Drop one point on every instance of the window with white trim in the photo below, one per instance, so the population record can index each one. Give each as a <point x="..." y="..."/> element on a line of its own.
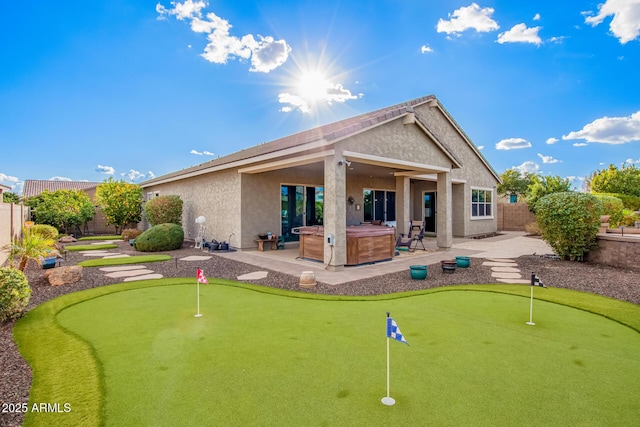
<point x="481" y="203"/>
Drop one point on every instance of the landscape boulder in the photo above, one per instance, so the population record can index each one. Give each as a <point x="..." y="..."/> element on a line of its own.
<point x="67" y="239"/>
<point x="64" y="275"/>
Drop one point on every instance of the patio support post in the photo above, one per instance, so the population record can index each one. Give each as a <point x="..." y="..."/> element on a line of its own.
<point x="403" y="201"/>
<point x="335" y="212"/>
<point x="445" y="211"/>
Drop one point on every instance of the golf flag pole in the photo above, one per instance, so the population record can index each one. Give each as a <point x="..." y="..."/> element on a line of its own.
<point x="393" y="331"/>
<point x="200" y="278"/>
<point x="535" y="281"/>
<point x="388" y="400"/>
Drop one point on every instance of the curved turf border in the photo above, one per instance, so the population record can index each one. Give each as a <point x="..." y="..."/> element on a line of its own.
<point x="38" y="334"/>
<point x="138" y="259"/>
<point x="90" y="247"/>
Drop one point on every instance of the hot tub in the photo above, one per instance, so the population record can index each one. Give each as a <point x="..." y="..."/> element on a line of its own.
<point x="365" y="243"/>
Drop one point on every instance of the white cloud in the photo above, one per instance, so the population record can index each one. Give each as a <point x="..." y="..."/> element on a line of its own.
<point x="512" y="144"/>
<point x="609" y="130"/>
<point x="470" y="17"/>
<point x="625" y="24"/>
<point x="551" y="141"/>
<point x="480" y="147"/>
<point x="580" y="144"/>
<point x="548" y="159"/>
<point x="328" y="93"/>
<point x="132" y="175"/>
<point x="8" y="178"/>
<point x="264" y="52"/>
<point x="425" y="49"/>
<point x="199" y="153"/>
<point x="528" y="166"/>
<point x="519" y="33"/>
<point x="107" y="170"/>
<point x="151" y="175"/>
<point x="536" y="17"/>
<point x="59" y="178"/>
<point x="557" y="39"/>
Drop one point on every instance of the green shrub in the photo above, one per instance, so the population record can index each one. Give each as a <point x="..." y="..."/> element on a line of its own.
<point x="14" y="293"/>
<point x="629" y="202"/>
<point x="569" y="222"/>
<point x="130" y="233"/>
<point x="46" y="231"/>
<point x="613" y="207"/>
<point x="162" y="237"/>
<point x="164" y="209"/>
<point x="629" y="218"/>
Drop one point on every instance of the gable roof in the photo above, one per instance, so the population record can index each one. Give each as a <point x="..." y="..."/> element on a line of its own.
<point x="33" y="187"/>
<point x="328" y="133"/>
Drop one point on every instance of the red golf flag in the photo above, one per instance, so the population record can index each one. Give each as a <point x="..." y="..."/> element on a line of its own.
<point x="201" y="278"/>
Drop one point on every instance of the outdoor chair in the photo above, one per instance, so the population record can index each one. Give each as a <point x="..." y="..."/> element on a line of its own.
<point x="411" y="239"/>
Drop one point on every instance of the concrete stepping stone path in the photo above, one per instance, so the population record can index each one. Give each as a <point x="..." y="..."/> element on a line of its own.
<point x="253" y="276"/>
<point x="505" y="270"/>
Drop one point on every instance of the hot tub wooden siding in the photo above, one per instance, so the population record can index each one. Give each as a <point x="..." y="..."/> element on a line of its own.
<point x="360" y="249"/>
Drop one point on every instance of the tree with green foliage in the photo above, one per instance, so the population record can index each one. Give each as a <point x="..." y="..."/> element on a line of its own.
<point x="543" y="185"/>
<point x="163" y="210"/>
<point x="120" y="202"/>
<point x="625" y="180"/>
<point x="14" y="293"/>
<point x="515" y="182"/>
<point x="64" y="209"/>
<point x="569" y="222"/>
<point x="10" y="197"/>
<point x="613" y="207"/>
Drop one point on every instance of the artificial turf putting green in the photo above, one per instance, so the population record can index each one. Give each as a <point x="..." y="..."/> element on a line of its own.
<point x="114" y="237"/>
<point x="262" y="358"/>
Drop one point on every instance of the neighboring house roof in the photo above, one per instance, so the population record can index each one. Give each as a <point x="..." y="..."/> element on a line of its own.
<point x="4" y="188"/>
<point x="33" y="187"/>
<point x="328" y="133"/>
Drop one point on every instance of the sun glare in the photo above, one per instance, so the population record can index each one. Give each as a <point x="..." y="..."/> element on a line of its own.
<point x="313" y="86"/>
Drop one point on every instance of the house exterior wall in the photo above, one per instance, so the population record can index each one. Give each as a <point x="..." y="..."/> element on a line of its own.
<point x="216" y="196"/>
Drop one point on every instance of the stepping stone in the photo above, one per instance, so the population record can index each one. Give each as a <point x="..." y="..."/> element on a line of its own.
<point x="195" y="258"/>
<point x="129" y="273"/>
<point x="501" y="259"/>
<point x="122" y="268"/>
<point x="515" y="281"/>
<point x="506" y="275"/>
<point x="499" y="264"/>
<point x="253" y="276"/>
<point x="96" y="253"/>
<point x="145" y="277"/>
<point x="506" y="269"/>
<point x="116" y="256"/>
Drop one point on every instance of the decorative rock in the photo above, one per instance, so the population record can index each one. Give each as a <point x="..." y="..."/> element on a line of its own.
<point x="307" y="279"/>
<point x="64" y="275"/>
<point x="67" y="239"/>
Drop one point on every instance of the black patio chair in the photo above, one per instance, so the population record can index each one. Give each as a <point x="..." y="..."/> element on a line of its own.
<point x="415" y="235"/>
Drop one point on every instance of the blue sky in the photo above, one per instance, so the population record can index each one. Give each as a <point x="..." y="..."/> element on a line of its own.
<point x="133" y="89"/>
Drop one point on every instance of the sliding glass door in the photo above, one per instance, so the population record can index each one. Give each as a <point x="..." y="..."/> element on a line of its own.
<point x="379" y="205"/>
<point x="300" y="206"/>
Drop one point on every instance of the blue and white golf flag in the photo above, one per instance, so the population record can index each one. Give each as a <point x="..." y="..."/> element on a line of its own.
<point x="394" y="332"/>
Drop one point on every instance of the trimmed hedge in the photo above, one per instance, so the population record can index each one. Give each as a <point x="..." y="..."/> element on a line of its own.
<point x="162" y="237"/>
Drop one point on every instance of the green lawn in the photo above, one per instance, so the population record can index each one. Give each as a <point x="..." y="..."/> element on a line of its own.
<point x="103" y="246"/>
<point x="134" y="354"/>
<point x="137" y="259"/>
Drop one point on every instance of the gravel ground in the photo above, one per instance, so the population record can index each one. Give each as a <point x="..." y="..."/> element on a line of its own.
<point x="15" y="374"/>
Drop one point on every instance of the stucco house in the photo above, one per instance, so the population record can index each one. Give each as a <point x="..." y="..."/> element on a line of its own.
<point x="405" y="162"/>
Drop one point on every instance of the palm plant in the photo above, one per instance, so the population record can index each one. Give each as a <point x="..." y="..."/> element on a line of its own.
<point x="32" y="245"/>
